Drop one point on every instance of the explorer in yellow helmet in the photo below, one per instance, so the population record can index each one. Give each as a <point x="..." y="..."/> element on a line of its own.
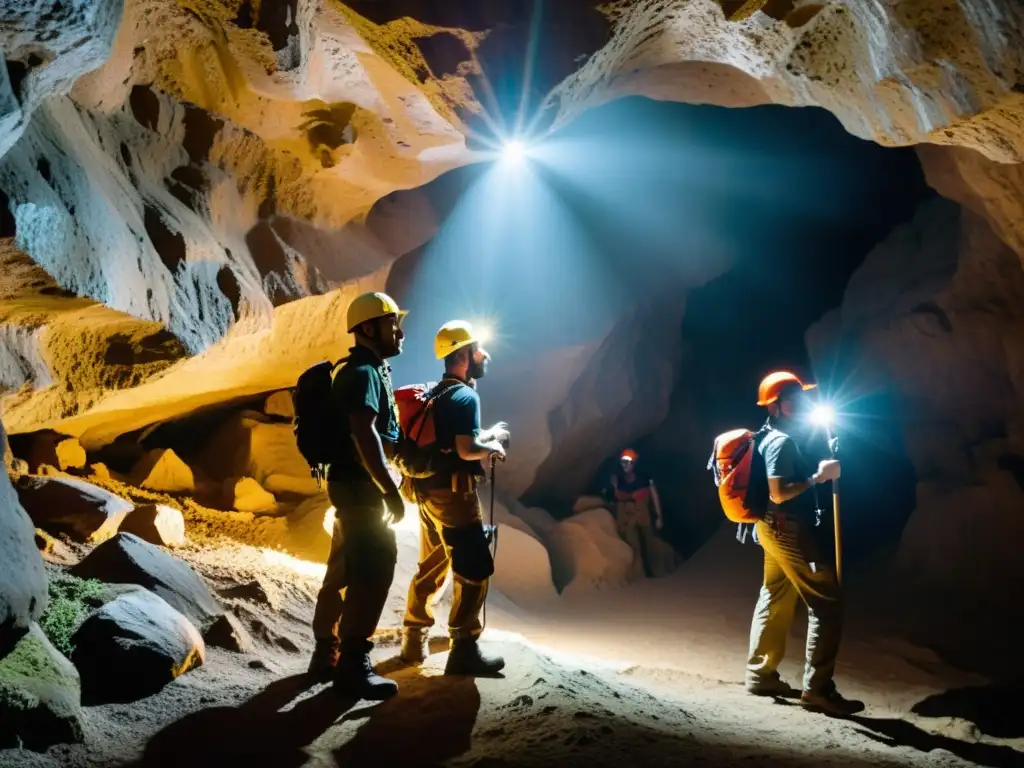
<point x="452" y="533"/>
<point x="363" y="555"/>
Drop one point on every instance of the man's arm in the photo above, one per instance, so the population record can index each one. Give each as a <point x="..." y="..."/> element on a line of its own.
<point x="781" y="459"/>
<point x="659" y="518"/>
<point x="371" y="449"/>
<point x="472" y="448"/>
<point x="471" y="443"/>
<point x="359" y="395"/>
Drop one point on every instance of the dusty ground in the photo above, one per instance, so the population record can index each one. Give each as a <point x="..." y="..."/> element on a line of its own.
<point x="647" y="675"/>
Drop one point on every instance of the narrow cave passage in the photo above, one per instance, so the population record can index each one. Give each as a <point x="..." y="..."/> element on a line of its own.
<point x="748" y="222"/>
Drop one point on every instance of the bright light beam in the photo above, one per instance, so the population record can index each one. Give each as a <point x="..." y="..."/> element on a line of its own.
<point x="823" y="415"/>
<point x="513" y="152"/>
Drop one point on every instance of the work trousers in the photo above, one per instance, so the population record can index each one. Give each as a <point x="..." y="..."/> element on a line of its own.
<point x="794" y="568"/>
<point x="360" y="568"/>
<point x="633" y="522"/>
<point x="442" y="509"/>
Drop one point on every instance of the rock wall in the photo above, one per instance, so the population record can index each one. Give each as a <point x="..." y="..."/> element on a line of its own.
<point x="934" y="316"/>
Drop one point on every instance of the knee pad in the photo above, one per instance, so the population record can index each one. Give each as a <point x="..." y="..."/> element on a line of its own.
<point x="471" y="555"/>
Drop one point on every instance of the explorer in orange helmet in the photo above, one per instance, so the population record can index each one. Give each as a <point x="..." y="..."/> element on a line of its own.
<point x="635" y="497"/>
<point x="795" y="567"/>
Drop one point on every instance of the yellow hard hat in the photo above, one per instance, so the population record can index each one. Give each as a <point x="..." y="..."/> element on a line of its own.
<point x="452" y="337"/>
<point x="370" y="306"/>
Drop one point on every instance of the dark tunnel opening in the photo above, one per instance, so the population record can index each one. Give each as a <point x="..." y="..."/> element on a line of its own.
<point x="794" y="216"/>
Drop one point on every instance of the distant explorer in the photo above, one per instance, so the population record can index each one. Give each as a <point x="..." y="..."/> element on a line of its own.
<point x="636" y="502"/>
<point x="452" y="533"/>
<point x="795" y="567"/>
<point x="361" y="563"/>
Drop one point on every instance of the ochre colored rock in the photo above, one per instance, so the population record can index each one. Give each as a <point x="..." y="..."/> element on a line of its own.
<point x="162" y="470"/>
<point x="157" y="524"/>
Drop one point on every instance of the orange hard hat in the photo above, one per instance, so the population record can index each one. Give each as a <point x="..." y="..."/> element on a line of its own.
<point x="774" y="383"/>
<point x="630" y="454"/>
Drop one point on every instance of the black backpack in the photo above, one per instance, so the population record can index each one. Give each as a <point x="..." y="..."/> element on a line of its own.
<point x="316" y="424"/>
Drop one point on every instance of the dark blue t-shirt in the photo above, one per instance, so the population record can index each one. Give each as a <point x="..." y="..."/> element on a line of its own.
<point x="457" y="412"/>
<point x="363" y="382"/>
<point x="784" y="459"/>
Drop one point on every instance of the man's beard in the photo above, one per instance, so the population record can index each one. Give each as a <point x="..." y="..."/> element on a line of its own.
<point x="477" y="370"/>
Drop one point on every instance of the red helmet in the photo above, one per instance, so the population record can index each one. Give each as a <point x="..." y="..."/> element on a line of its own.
<point x="774" y="383"/>
<point x="630" y="454"/>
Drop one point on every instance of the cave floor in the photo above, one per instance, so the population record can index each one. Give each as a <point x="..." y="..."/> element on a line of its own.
<point x="646" y="675"/>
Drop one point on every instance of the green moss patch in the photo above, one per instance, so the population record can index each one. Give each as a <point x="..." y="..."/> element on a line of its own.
<point x="71" y="599"/>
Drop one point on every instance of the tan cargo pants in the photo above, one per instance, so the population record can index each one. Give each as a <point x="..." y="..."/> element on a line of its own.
<point x="360" y="568"/>
<point x="633" y="522"/>
<point x="794" y="568"/>
<point x="439" y="509"/>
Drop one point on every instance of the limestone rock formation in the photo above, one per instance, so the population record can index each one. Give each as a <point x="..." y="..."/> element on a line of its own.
<point x="40" y="694"/>
<point x="22" y="579"/>
<point x="127" y="559"/>
<point x="132" y="647"/>
<point x="934" y="315"/>
<point x="71" y="506"/>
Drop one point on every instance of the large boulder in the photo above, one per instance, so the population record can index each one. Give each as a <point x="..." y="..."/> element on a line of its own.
<point x="40" y="694"/>
<point x="132" y="647"/>
<point x="22" y="578"/>
<point x="67" y="505"/>
<point x="157" y="524"/>
<point x="247" y="495"/>
<point x="127" y="559"/>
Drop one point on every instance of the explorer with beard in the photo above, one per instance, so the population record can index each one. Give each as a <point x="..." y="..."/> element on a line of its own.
<point x="452" y="533"/>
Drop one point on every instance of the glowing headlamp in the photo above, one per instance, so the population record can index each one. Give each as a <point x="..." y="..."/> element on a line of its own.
<point x="823" y="415"/>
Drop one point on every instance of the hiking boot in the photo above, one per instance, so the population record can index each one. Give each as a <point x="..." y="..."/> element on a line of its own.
<point x="323" y="661"/>
<point x="771" y="686"/>
<point x="466" y="658"/>
<point x="354" y="676"/>
<point x="830" y="702"/>
<point x="414" y="645"/>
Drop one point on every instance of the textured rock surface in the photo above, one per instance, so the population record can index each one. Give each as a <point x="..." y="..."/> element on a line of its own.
<point x="40" y="694"/>
<point x="201" y="176"/>
<point x="72" y="506"/>
<point x="935" y="315"/>
<point x="22" y="579"/>
<point x="127" y="559"/>
<point x="132" y="647"/>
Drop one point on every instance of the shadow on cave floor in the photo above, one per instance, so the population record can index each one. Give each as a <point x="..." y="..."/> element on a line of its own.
<point x="257" y="731"/>
<point x="278" y="725"/>
<point x="900" y="733"/>
<point x="994" y="709"/>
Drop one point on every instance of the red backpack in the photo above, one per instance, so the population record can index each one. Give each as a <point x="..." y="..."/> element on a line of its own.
<point x="417" y="452"/>
<point x="740" y="475"/>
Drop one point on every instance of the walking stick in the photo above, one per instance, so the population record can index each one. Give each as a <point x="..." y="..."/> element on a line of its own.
<point x="833" y="445"/>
